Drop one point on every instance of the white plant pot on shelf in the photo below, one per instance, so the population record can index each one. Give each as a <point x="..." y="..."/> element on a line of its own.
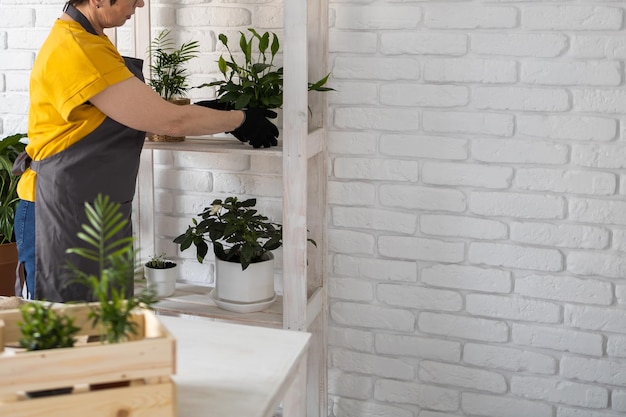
<point x="161" y="281"/>
<point x="244" y="291"/>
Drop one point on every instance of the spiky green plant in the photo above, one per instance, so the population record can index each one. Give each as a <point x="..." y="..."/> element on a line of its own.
<point x="10" y="147"/>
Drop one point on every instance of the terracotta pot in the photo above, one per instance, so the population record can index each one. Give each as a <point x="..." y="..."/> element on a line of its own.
<point x="8" y="268"/>
<point x="153" y="137"/>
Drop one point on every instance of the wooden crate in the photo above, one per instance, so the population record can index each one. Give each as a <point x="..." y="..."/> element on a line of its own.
<point x="145" y="364"/>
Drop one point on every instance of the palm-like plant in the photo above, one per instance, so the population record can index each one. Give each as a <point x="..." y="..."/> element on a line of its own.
<point x="169" y="76"/>
<point x="10" y="148"/>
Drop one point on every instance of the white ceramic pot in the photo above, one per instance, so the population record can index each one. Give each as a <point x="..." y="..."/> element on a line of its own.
<point x="254" y="285"/>
<point x="161" y="281"/>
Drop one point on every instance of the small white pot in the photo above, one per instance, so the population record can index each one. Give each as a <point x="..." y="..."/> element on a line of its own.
<point x="161" y="281"/>
<point x="253" y="285"/>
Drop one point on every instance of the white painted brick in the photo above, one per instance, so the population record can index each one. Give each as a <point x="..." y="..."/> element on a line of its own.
<point x="513" y="256"/>
<point x="350" y="385"/>
<point x="596" y="318"/>
<point x="599" y="101"/>
<point x="268" y="17"/>
<point x="603" y="371"/>
<point x="560" y="235"/>
<point x="375" y="68"/>
<point x="426" y="413"/>
<point x="541" y="45"/>
<point x="616" y="346"/>
<point x="355" y="217"/>
<point x="557" y="338"/>
<point x="375" y="169"/>
<point x="218" y="162"/>
<point x="420" y="347"/>
<point x="599" y="264"/>
<point x="468" y="123"/>
<point x="558" y="391"/>
<point x="564" y="288"/>
<point x="618" y="400"/>
<point x="520" y="98"/>
<point x="353" y="193"/>
<point x="468" y="17"/>
<point x="426" y="198"/>
<point x="266" y="164"/>
<point x="27" y="38"/>
<point x="366" y="17"/>
<point x="422" y="395"/>
<point x="569" y="181"/>
<point x="567" y="127"/>
<point x="511" y="307"/>
<point x="350" y="289"/>
<point x="528" y="206"/>
<point x="364" y="315"/>
<point x="435" y="147"/>
<point x="424" y="95"/>
<point x="467" y="277"/>
<point x="463" y="327"/>
<point x="516" y="360"/>
<point x="420" y="298"/>
<point x="598" y="46"/>
<point x="421" y="249"/>
<point x="620" y="293"/>
<point x="476" y="175"/>
<point x="346" y="407"/>
<point x="213" y="16"/>
<point x="353" y="339"/>
<point x="361" y="143"/>
<point x="231" y="183"/>
<point x="499" y="406"/>
<point x="470" y="70"/>
<point x="16" y="61"/>
<point x="571" y="73"/>
<point x="183" y="179"/>
<point x="364" y="363"/>
<point x="350" y="92"/>
<point x="518" y="151"/>
<point x="584" y="412"/>
<point x="431" y="43"/>
<point x="598" y="211"/>
<point x="350" y="242"/>
<point x="18" y="17"/>
<point x="372" y="268"/>
<point x="376" y="118"/>
<point x="461" y="376"/>
<point x="572" y="18"/>
<point x="599" y="156"/>
<point x="352" y="42"/>
<point x="471" y="227"/>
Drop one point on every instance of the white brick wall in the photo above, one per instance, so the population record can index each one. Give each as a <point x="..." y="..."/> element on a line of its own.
<point x="477" y="230"/>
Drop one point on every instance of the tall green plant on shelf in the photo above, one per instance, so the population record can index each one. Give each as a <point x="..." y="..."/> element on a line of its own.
<point x="10" y="148"/>
<point x="255" y="82"/>
<point x="116" y="265"/>
<point x="168" y="73"/>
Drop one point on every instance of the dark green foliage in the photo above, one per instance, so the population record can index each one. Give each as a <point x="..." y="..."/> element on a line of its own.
<point x="255" y="83"/>
<point x="10" y="147"/>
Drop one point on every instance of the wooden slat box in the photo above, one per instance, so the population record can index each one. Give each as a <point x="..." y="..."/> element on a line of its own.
<point x="145" y="364"/>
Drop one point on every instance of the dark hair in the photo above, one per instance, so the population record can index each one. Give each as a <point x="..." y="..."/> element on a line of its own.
<point x="78" y="2"/>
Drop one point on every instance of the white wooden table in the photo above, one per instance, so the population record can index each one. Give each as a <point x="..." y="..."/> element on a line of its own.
<point x="234" y="370"/>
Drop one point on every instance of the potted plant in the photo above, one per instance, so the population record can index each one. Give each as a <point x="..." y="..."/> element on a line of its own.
<point x="161" y="275"/>
<point x="10" y="148"/>
<point x="242" y="242"/>
<point x="255" y="82"/>
<point x="168" y="72"/>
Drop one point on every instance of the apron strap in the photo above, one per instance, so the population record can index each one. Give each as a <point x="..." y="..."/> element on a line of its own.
<point x="75" y="14"/>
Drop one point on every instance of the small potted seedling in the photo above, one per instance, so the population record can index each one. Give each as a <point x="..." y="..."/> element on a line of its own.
<point x="161" y="275"/>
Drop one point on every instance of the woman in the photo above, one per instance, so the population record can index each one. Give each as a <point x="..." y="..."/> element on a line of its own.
<point x="89" y="111"/>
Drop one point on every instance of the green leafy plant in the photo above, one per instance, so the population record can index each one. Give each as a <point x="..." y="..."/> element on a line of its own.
<point x="10" y="147"/>
<point x="159" y="262"/>
<point x="43" y="327"/>
<point x="236" y="230"/>
<point x="115" y="258"/>
<point x="256" y="82"/>
<point x="168" y="74"/>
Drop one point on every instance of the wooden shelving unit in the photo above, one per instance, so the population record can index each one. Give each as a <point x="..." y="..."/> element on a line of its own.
<point x="303" y="305"/>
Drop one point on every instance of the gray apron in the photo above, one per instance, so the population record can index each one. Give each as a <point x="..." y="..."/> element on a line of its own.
<point x="104" y="162"/>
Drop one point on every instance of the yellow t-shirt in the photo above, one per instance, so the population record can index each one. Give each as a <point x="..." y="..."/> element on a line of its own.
<point x="72" y="66"/>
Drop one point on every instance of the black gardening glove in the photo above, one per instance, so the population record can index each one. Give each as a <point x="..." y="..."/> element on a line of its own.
<point x="257" y="129"/>
<point x="214" y="104"/>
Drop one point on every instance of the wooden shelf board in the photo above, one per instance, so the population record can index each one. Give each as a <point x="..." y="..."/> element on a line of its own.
<point x="213" y="144"/>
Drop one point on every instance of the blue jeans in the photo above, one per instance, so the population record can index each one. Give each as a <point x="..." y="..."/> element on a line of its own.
<point x="24" y="228"/>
